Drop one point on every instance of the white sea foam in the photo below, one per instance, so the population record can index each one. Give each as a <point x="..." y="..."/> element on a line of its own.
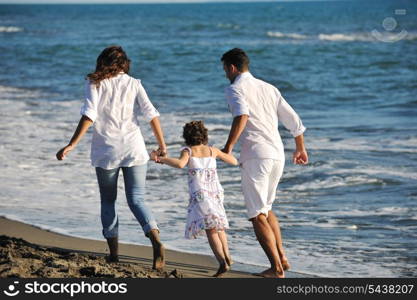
<point x="334" y="182"/>
<point x="404" y="172"/>
<point x="352" y="227"/>
<point x="347" y="37"/>
<point x="305" y="260"/>
<point x="363" y="144"/>
<point x="10" y="29"/>
<point x="277" y="34"/>
<point x="383" y="211"/>
<point x="367" y="37"/>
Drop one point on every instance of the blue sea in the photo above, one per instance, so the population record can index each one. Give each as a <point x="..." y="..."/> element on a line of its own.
<point x="349" y="68"/>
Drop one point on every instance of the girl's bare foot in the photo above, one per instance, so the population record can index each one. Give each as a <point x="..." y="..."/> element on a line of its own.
<point x="271" y="273"/>
<point x="229" y="261"/>
<point x="222" y="269"/>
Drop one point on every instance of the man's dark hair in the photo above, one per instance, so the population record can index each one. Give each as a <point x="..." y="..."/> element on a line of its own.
<point x="195" y="133"/>
<point x="236" y="57"/>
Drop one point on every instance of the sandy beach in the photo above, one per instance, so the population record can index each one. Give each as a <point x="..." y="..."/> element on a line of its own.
<point x="28" y="251"/>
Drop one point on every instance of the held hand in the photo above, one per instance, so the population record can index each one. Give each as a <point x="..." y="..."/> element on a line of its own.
<point x="300" y="157"/>
<point x="162" y="151"/>
<point x="227" y="150"/>
<point x="154" y="155"/>
<point x="64" y="151"/>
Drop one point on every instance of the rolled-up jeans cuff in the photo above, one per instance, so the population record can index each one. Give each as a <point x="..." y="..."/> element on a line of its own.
<point x="110" y="233"/>
<point x="148" y="227"/>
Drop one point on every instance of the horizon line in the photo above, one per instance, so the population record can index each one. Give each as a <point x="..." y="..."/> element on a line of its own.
<point x="79" y="2"/>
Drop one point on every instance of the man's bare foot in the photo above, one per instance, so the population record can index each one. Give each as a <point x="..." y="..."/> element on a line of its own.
<point x="229" y="261"/>
<point x="158" y="257"/>
<point x="285" y="264"/>
<point x="271" y="273"/>
<point x="222" y="269"/>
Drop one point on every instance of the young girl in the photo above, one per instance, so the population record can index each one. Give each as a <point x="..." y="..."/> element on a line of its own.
<point x="205" y="209"/>
<point x="112" y="103"/>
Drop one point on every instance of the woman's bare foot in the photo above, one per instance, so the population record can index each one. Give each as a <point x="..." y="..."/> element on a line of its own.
<point x="158" y="257"/>
<point x="285" y="264"/>
<point x="112" y="259"/>
<point x="158" y="250"/>
<point x="113" y="243"/>
<point x="271" y="273"/>
<point x="222" y="269"/>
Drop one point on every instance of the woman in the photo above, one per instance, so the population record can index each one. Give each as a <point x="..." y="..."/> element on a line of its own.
<point x="113" y="101"/>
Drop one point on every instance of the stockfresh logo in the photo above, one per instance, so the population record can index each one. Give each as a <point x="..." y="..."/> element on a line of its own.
<point x="11" y="290"/>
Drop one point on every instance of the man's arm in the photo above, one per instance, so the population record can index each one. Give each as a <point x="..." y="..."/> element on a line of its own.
<point x="300" y="156"/>
<point x="238" y="125"/>
<point x="292" y="122"/>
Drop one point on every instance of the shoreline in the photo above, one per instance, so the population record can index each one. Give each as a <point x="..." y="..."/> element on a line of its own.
<point x="190" y="265"/>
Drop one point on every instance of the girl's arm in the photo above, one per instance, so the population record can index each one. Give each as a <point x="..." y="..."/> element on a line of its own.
<point x="180" y="162"/>
<point x="82" y="128"/>
<point x="159" y="135"/>
<point x="227" y="158"/>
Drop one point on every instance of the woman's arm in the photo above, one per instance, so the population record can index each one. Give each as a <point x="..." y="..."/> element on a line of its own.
<point x="82" y="128"/>
<point x="227" y="158"/>
<point x="180" y="162"/>
<point x="159" y="135"/>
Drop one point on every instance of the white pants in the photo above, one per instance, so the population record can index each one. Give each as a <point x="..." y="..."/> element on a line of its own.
<point x="260" y="178"/>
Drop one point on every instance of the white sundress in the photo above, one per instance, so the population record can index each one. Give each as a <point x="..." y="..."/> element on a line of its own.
<point x="205" y="208"/>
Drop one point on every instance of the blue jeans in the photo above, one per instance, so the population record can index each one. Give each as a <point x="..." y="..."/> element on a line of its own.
<point x="135" y="181"/>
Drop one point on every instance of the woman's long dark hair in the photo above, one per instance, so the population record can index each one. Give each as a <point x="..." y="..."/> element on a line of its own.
<point x="110" y="62"/>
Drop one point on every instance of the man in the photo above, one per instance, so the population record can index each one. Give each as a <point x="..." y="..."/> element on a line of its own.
<point x="256" y="107"/>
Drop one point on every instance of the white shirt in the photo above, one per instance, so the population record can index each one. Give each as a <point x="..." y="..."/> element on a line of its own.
<point x="114" y="107"/>
<point x="264" y="105"/>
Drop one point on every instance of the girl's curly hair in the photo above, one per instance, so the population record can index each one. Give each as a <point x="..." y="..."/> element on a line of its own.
<point x="195" y="133"/>
<point x="110" y="62"/>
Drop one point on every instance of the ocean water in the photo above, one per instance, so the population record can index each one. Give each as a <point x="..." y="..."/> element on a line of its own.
<point x="350" y="212"/>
